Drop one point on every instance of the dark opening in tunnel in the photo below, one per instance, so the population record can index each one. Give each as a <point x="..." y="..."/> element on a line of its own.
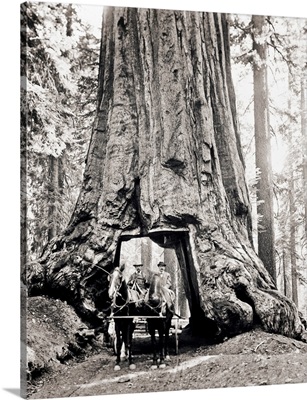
<point x="175" y="251"/>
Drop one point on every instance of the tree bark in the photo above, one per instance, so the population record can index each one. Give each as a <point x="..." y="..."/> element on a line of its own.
<point x="304" y="139"/>
<point x="266" y="247"/>
<point x="52" y="185"/>
<point x="285" y="278"/>
<point x="164" y="161"/>
<point x="292" y="205"/>
<point x="55" y="190"/>
<point x="146" y="252"/>
<point x="293" y="238"/>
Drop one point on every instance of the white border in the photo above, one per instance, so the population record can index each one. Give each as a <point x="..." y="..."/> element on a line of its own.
<point x="10" y="190"/>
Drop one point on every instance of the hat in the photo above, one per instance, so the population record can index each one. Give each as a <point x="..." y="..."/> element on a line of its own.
<point x="161" y="264"/>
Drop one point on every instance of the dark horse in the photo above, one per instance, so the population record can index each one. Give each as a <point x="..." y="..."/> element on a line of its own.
<point x="121" y="307"/>
<point x="157" y="307"/>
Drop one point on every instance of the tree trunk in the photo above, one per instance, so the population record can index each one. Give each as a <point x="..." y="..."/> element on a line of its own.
<point x="293" y="239"/>
<point x="53" y="177"/>
<point x="266" y="247"/>
<point x="23" y="202"/>
<point x="164" y="161"/>
<point x="292" y="206"/>
<point x="146" y="253"/>
<point x="285" y="278"/>
<point x="55" y="193"/>
<point x="304" y="139"/>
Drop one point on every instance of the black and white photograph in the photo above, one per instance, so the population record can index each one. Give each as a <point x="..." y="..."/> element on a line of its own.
<point x="163" y="200"/>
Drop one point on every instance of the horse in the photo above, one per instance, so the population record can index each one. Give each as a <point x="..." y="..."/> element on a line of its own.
<point x="158" y="307"/>
<point x="121" y="306"/>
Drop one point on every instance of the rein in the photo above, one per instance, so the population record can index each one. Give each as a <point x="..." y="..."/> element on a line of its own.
<point x="154" y="308"/>
<point x="104" y="270"/>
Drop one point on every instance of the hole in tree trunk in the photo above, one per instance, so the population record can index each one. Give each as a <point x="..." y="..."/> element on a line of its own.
<point x="145" y="251"/>
<point x="174" y="249"/>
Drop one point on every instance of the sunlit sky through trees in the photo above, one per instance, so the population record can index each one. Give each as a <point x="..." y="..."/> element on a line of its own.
<point x="92" y="14"/>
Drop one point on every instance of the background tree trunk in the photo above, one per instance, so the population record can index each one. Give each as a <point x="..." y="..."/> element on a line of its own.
<point x="292" y="202"/>
<point x="285" y="264"/>
<point x="293" y="240"/>
<point x="304" y="139"/>
<point x="164" y="161"/>
<point x="55" y="192"/>
<point x="52" y="196"/>
<point x="266" y="247"/>
<point x="146" y="252"/>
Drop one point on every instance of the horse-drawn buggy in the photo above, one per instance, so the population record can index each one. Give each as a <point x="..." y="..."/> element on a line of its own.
<point x="152" y="306"/>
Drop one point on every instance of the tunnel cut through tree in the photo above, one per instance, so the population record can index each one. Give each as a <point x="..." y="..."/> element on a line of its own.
<point x="147" y="253"/>
<point x="165" y="161"/>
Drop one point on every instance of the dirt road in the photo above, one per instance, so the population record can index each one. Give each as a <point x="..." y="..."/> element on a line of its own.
<point x="251" y="359"/>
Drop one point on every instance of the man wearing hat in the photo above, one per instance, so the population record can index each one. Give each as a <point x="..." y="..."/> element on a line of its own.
<point x="165" y="276"/>
<point x="138" y="280"/>
<point x="166" y="284"/>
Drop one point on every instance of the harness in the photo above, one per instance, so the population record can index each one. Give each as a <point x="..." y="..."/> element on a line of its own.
<point x="116" y="295"/>
<point x="137" y="296"/>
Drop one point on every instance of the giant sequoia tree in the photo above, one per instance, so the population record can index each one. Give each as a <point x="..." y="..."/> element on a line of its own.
<point x="165" y="161"/>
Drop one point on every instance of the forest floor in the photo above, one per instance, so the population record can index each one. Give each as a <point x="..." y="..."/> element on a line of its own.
<point x="254" y="358"/>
